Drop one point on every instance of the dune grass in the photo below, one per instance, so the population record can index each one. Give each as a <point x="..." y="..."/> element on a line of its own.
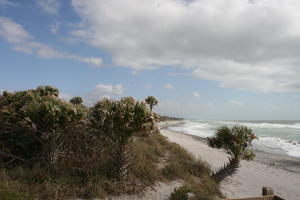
<point x="178" y="164"/>
<point x="153" y="159"/>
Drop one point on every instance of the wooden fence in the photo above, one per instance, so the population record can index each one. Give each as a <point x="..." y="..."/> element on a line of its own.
<point x="267" y="194"/>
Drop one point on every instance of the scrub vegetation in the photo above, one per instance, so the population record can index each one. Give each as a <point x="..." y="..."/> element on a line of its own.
<point x="53" y="149"/>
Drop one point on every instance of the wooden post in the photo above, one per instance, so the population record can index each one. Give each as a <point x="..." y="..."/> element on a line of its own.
<point x="267" y="191"/>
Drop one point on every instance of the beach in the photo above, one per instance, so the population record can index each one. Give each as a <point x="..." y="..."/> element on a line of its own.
<point x="280" y="172"/>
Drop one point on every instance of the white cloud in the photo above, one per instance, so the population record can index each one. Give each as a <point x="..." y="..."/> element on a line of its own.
<point x="65" y="96"/>
<point x="236" y="103"/>
<point x="169" y="86"/>
<point x="49" y="6"/>
<point x="22" y="41"/>
<point x="103" y="91"/>
<point x="110" y="89"/>
<point x="196" y="94"/>
<point x="90" y="60"/>
<point x="252" y="46"/>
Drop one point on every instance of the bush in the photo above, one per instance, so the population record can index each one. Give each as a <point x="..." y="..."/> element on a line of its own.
<point x="180" y="193"/>
<point x="33" y="125"/>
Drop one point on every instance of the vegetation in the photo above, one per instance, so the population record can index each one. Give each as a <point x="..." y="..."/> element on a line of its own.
<point x="76" y="101"/>
<point x="151" y="101"/>
<point x="168" y="118"/>
<point x="236" y="141"/>
<point x="34" y="126"/>
<point x="180" y="193"/>
<point x="52" y="149"/>
<point x="118" y="123"/>
<point x="11" y="195"/>
<point x="161" y="160"/>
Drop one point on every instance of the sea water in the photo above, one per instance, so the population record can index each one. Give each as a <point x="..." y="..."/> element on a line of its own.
<point x="278" y="137"/>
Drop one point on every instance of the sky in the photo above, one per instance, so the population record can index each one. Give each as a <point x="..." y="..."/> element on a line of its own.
<point x="202" y="59"/>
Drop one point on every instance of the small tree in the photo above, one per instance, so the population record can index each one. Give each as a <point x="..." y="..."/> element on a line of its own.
<point x="117" y="123"/>
<point x="236" y="141"/>
<point x="151" y="101"/>
<point x="76" y="101"/>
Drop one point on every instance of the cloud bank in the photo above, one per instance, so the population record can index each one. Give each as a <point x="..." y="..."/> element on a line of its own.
<point x="24" y="42"/>
<point x="249" y="45"/>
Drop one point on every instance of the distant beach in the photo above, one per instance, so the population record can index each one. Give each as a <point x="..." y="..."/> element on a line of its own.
<point x="276" y="170"/>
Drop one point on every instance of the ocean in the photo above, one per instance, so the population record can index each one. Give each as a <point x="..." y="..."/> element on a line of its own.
<point x="277" y="137"/>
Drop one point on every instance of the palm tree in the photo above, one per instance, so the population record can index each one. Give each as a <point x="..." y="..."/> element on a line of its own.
<point x="236" y="141"/>
<point x="47" y="90"/>
<point x="117" y="123"/>
<point x="151" y="101"/>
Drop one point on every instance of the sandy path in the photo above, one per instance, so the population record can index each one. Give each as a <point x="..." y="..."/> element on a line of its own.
<point x="279" y="172"/>
<point x="161" y="191"/>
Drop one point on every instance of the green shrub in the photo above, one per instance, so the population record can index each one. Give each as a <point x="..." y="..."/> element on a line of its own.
<point x="180" y="193"/>
<point x="33" y="123"/>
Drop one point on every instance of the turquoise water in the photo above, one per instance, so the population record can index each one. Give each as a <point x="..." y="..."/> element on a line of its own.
<point x="279" y="137"/>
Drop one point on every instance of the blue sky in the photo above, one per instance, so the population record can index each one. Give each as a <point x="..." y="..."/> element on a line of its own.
<point x="202" y="59"/>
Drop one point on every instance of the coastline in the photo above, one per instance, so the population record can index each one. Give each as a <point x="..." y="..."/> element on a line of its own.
<point x="280" y="172"/>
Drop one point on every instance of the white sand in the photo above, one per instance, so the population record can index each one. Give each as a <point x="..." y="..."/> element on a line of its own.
<point x="281" y="173"/>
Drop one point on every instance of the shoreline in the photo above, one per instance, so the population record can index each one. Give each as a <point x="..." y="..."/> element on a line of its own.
<point x="280" y="172"/>
<point x="290" y="159"/>
<point x="286" y="162"/>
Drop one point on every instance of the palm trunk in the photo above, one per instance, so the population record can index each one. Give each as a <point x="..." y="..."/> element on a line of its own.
<point x="121" y="160"/>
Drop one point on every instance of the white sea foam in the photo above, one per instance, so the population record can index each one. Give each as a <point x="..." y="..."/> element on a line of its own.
<point x="262" y="125"/>
<point x="268" y="140"/>
<point x="194" y="128"/>
<point x="273" y="144"/>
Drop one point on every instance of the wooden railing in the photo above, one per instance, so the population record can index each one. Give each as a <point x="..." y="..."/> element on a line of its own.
<point x="267" y="194"/>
